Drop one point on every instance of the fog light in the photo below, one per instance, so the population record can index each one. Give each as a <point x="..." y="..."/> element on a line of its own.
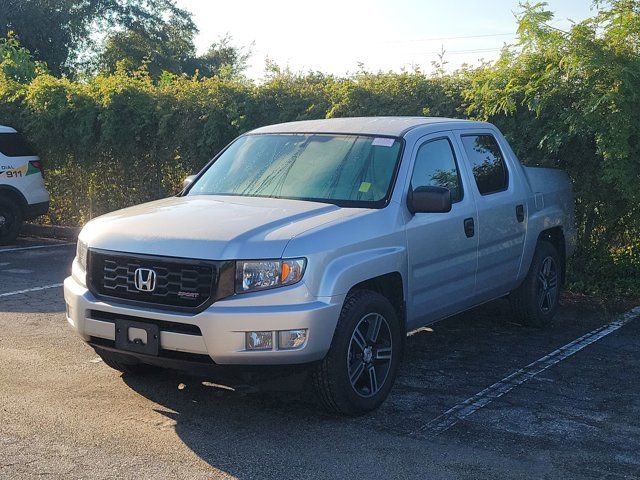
<point x="290" y="339"/>
<point x="259" y="340"/>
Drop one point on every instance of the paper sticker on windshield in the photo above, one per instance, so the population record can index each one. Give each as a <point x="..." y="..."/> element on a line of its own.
<point x="364" y="187"/>
<point x="383" y="142"/>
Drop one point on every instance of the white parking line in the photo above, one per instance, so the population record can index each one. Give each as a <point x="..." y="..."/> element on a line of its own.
<point x="27" y="290"/>
<point x="35" y="247"/>
<point x="461" y="411"/>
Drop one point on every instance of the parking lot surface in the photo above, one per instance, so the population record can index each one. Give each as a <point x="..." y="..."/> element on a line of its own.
<point x="456" y="410"/>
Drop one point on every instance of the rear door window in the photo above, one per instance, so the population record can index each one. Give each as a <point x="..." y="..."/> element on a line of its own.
<point x="487" y="163"/>
<point x="14" y="145"/>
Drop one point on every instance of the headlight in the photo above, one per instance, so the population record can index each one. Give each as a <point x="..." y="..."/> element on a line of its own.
<point x="263" y="274"/>
<point x="81" y="254"/>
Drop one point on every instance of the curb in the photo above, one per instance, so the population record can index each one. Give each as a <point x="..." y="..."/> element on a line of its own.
<point x="50" y="231"/>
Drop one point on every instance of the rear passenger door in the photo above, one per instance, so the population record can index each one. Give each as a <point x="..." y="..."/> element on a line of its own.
<point x="441" y="254"/>
<point x="500" y="201"/>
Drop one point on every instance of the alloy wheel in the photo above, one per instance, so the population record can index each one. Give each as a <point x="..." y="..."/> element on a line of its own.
<point x="369" y="356"/>
<point x="547" y="285"/>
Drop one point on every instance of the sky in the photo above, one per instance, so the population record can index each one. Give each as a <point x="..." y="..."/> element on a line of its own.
<point x="335" y="36"/>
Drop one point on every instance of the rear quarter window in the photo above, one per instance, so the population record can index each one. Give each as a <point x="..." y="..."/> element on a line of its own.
<point x="14" y="145"/>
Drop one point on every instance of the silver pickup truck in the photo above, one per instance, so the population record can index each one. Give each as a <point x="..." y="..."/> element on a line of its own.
<point x="319" y="245"/>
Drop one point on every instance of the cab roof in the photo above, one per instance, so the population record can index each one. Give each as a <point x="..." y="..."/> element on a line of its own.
<point x="391" y="126"/>
<point x="4" y="129"/>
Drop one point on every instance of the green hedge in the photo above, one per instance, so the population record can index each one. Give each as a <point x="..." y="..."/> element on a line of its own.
<point x="562" y="99"/>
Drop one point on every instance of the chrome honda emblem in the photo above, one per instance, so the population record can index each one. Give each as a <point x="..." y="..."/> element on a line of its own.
<point x="145" y="279"/>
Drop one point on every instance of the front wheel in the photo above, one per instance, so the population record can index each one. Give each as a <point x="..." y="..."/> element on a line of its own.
<point x="535" y="302"/>
<point x="360" y="368"/>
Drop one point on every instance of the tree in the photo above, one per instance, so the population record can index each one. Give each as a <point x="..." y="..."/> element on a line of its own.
<point x="16" y="62"/>
<point x="59" y="32"/>
<point x="167" y="46"/>
<point x="220" y="54"/>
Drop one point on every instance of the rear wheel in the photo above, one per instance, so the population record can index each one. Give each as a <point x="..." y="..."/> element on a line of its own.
<point x="360" y="368"/>
<point x="535" y="302"/>
<point x="133" y="368"/>
<point x="10" y="220"/>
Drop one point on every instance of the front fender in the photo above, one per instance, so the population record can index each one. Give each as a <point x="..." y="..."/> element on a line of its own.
<point x="342" y="273"/>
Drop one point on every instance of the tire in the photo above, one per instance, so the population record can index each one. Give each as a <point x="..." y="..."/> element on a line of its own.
<point x="535" y="302"/>
<point x="114" y="361"/>
<point x="11" y="218"/>
<point x="360" y="368"/>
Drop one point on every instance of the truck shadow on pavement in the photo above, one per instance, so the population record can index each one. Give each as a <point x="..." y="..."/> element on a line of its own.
<point x="286" y="435"/>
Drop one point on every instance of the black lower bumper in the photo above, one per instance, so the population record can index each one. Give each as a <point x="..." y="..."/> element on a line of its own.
<point x="263" y="377"/>
<point x="36" y="209"/>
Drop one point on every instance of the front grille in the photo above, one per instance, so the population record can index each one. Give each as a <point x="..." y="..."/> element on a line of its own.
<point x="182" y="284"/>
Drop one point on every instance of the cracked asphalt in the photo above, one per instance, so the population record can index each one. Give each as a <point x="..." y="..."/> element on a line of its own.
<point x="65" y="414"/>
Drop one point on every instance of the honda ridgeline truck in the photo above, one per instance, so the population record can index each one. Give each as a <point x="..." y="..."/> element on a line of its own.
<point x="321" y="244"/>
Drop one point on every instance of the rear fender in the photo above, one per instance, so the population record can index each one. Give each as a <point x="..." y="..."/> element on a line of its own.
<point x="539" y="221"/>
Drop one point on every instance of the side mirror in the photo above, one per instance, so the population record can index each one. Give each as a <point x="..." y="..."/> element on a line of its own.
<point x="429" y="200"/>
<point x="188" y="181"/>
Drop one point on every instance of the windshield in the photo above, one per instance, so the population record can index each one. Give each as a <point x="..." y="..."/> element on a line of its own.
<point x="348" y="170"/>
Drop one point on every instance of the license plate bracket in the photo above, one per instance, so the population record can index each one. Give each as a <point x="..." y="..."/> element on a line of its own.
<point x="138" y="337"/>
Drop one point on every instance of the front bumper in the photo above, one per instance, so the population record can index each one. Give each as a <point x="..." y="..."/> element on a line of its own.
<point x="222" y="326"/>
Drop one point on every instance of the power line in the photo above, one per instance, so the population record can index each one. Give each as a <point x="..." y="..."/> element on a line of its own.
<point x="456" y="52"/>
<point x="479" y="50"/>
<point x="460" y="37"/>
<point x="433" y="39"/>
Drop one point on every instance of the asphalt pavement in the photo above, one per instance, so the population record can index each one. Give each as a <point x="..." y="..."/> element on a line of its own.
<point x="477" y="397"/>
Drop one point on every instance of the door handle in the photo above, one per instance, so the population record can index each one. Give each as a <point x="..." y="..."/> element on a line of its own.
<point x="520" y="213"/>
<point x="469" y="227"/>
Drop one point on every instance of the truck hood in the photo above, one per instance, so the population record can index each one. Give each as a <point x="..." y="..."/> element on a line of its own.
<point x="210" y="227"/>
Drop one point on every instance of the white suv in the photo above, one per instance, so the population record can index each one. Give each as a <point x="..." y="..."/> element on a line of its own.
<point x="23" y="195"/>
